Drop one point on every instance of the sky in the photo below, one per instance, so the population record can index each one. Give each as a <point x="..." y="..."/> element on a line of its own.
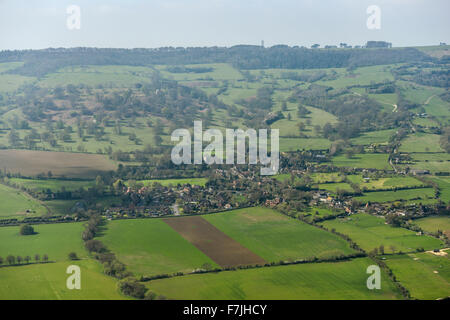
<point x="37" y="24"/>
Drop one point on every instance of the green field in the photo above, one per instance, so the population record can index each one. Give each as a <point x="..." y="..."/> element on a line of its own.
<point x="389" y="196"/>
<point x="290" y="127"/>
<point x="14" y="204"/>
<point x="421" y="142"/>
<point x="385" y="183"/>
<point x="370" y="232"/>
<point x="11" y="82"/>
<point x="334" y="187"/>
<point x="60" y="207"/>
<point x="374" y="137"/>
<point x="47" y="281"/>
<point x="55" y="240"/>
<point x="371" y="160"/>
<point x="340" y="281"/>
<point x="432" y="166"/>
<point x="425" y="275"/>
<point x="318" y="212"/>
<point x="275" y="237"/>
<point x="361" y="76"/>
<point x="294" y="144"/>
<point x="327" y="177"/>
<point x="221" y="71"/>
<point x="444" y="187"/>
<point x="151" y="247"/>
<point x="434" y="223"/>
<point x="51" y="184"/>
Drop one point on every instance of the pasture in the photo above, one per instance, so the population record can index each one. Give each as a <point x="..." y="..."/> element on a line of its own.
<point x="51" y="184"/>
<point x="47" y="281"/>
<point x="275" y="237"/>
<point x="373" y="137"/>
<point x="151" y="247"/>
<point x="367" y="160"/>
<point x="370" y="232"/>
<point x="340" y="281"/>
<point x="421" y="142"/>
<point x="444" y="187"/>
<point x="334" y="187"/>
<point x="11" y="82"/>
<point x="318" y="212"/>
<point x="434" y="224"/>
<point x="56" y="240"/>
<point x="109" y="76"/>
<point x="425" y="275"/>
<point x="385" y="183"/>
<point x="16" y="204"/>
<point x="220" y="71"/>
<point x="360" y="76"/>
<point x="294" y="144"/>
<point x="417" y="195"/>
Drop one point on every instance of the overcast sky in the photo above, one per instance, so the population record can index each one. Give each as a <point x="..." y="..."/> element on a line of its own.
<point x="35" y="24"/>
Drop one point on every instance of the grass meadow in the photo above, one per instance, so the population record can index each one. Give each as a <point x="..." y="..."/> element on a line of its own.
<point x="55" y="240"/>
<point x="275" y="237"/>
<point x="47" y="281"/>
<point x="425" y="275"/>
<point x="15" y="204"/>
<point x="151" y="247"/>
<point x="370" y="232"/>
<point x="340" y="281"/>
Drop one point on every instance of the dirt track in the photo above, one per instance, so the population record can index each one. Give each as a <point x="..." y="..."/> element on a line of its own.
<point x="222" y="249"/>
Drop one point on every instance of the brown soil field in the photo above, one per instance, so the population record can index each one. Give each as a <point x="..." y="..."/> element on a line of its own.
<point x="222" y="249"/>
<point x="71" y="165"/>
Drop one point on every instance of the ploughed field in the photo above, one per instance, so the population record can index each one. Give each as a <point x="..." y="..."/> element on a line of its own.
<point x="32" y="163"/>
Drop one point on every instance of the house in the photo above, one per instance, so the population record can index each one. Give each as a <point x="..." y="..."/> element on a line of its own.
<point x="418" y="172"/>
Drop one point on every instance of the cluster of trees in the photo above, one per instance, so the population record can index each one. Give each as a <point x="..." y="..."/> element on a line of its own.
<point x="309" y="76"/>
<point x="17" y="260"/>
<point x="445" y="139"/>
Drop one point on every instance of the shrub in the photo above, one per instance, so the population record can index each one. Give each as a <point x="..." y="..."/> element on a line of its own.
<point x="26" y="230"/>
<point x="131" y="287"/>
<point x="73" y="256"/>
